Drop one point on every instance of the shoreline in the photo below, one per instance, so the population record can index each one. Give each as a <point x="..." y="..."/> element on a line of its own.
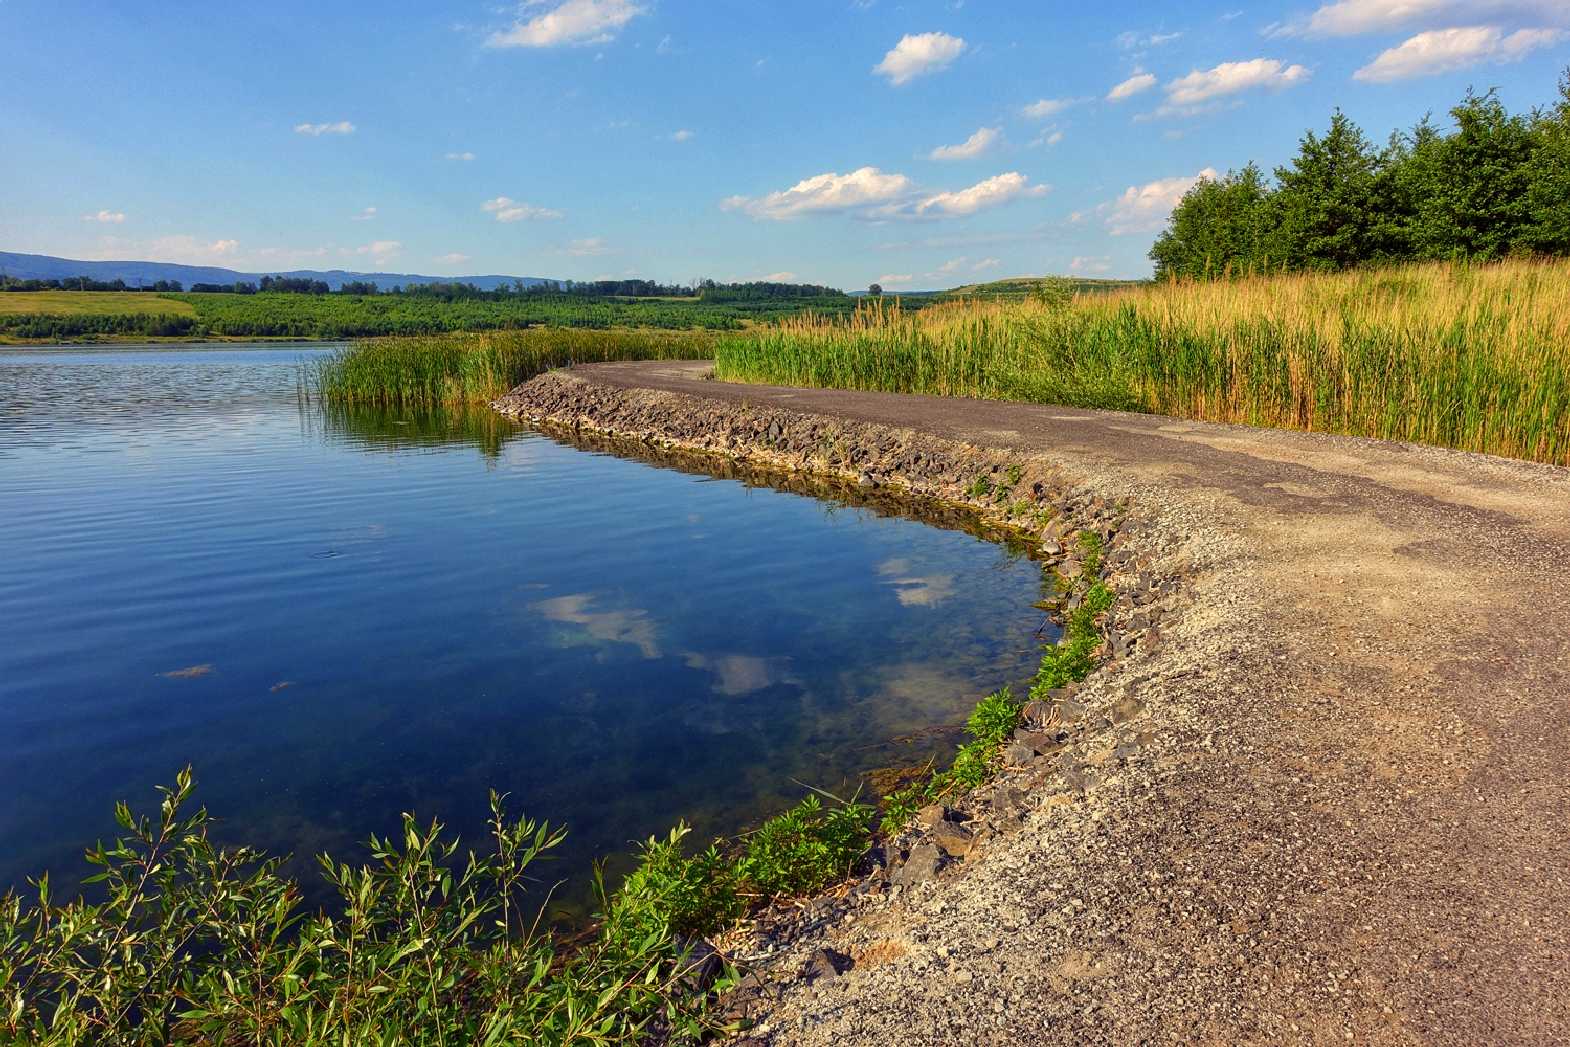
<point x="1278" y="832"/>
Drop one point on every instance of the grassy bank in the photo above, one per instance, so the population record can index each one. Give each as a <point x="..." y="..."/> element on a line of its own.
<point x="476" y="368"/>
<point x="1471" y="357"/>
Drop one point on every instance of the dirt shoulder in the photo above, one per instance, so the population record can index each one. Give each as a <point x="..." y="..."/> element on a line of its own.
<point x="1340" y="812"/>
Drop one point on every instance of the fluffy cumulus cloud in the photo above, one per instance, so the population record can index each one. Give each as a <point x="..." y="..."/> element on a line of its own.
<point x="506" y="209"/>
<point x="463" y="158"/>
<point x="338" y="127"/>
<point x="1132" y="86"/>
<point x="825" y="193"/>
<point x="1042" y="108"/>
<point x="874" y="194"/>
<point x="891" y="279"/>
<point x="1229" y="78"/>
<point x="1090" y="266"/>
<point x="1145" y="208"/>
<point x="984" y="138"/>
<point x="573" y="22"/>
<point x="453" y="258"/>
<point x="1446" y="50"/>
<point x="918" y="55"/>
<point x="106" y="217"/>
<point x="1354" y="17"/>
<point x="365" y="215"/>
<point x="182" y="249"/>
<point x="780" y="278"/>
<point x="683" y="135"/>
<point x="993" y="192"/>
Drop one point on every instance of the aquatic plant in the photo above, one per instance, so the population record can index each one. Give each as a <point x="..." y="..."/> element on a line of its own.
<point x="1475" y="357"/>
<point x="456" y="369"/>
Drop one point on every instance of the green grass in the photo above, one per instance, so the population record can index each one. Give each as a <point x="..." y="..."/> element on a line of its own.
<point x="1471" y="357"/>
<point x="476" y="368"/>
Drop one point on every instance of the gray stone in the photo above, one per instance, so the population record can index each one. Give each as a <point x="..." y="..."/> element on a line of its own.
<point x="1126" y="708"/>
<point x="825" y="965"/>
<point x="921" y="866"/>
<point x="955" y="840"/>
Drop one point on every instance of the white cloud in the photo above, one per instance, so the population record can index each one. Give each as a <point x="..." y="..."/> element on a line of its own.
<point x="182" y="249"/>
<point x="895" y="278"/>
<point x="106" y="217"/>
<point x="683" y="135"/>
<point x="341" y="127"/>
<point x="1354" y="17"/>
<point x="463" y="157"/>
<point x="1132" y="41"/>
<point x="1132" y="86"/>
<point x="993" y="192"/>
<point x="381" y="251"/>
<point x="1083" y="264"/>
<point x="918" y="55"/>
<point x="825" y="193"/>
<point x="1040" y="110"/>
<point x="970" y="148"/>
<point x="451" y="259"/>
<point x="507" y="209"/>
<point x="1446" y="50"/>
<point x="875" y="194"/>
<point x="986" y="264"/>
<point x="578" y="22"/>
<point x="1230" y="78"/>
<point x="1145" y="208"/>
<point x="780" y="278"/>
<point x="1050" y="138"/>
<point x="364" y="216"/>
<point x="589" y="247"/>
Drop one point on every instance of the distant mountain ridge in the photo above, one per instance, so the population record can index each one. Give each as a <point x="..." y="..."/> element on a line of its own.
<point x="48" y="267"/>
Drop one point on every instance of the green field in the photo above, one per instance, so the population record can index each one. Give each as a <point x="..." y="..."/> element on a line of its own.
<point x="71" y="315"/>
<point x="91" y="303"/>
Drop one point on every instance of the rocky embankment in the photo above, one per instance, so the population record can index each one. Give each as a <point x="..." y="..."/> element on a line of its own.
<point x="1315" y="791"/>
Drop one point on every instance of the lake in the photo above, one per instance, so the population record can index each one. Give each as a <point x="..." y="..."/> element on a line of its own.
<point x="337" y="616"/>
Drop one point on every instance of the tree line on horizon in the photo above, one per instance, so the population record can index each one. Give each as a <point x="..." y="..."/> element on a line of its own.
<point x="1494" y="185"/>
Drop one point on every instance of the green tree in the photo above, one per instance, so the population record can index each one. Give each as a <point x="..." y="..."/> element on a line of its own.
<point x="1548" y="178"/>
<point x="1326" y="200"/>
<point x="1474" y="199"/>
<point x="1221" y="227"/>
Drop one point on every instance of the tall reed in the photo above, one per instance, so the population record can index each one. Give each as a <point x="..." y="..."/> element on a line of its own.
<point x="1470" y="357"/>
<point x="452" y="369"/>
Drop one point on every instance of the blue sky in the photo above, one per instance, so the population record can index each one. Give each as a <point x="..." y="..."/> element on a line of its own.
<point x="920" y="144"/>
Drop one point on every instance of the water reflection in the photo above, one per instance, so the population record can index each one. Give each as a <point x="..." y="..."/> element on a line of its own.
<point x="339" y="615"/>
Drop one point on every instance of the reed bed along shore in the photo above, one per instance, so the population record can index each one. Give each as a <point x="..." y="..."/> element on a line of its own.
<point x="456" y="369"/>
<point x="1470" y="357"/>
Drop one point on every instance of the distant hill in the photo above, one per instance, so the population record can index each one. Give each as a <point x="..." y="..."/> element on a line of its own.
<point x="47" y="267"/>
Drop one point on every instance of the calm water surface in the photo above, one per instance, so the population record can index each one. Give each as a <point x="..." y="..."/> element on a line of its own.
<point x="338" y="617"/>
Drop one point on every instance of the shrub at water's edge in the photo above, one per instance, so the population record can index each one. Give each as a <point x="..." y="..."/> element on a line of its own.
<point x="1470" y="357"/>
<point x="457" y="369"/>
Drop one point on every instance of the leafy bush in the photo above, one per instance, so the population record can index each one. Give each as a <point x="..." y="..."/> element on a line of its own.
<point x="805" y="849"/>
